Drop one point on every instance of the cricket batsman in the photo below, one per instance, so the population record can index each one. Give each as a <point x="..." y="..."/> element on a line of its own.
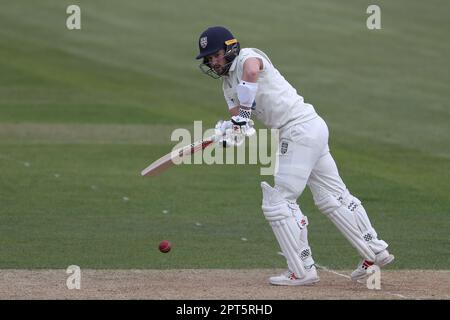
<point x="253" y="87"/>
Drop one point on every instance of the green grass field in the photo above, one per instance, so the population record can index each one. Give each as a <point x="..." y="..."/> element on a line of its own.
<point x="83" y="112"/>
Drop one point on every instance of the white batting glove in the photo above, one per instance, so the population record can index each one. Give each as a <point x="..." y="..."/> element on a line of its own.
<point x="222" y="130"/>
<point x="233" y="132"/>
<point x="243" y="126"/>
<point x="221" y="127"/>
<point x="233" y="138"/>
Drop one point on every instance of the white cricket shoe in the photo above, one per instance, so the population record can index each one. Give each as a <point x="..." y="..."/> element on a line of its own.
<point x="288" y="278"/>
<point x="381" y="259"/>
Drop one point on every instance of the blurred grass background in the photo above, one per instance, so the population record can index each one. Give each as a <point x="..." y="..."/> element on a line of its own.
<point x="83" y="111"/>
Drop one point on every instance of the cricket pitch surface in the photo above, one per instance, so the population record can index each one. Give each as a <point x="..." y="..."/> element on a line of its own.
<point x="217" y="284"/>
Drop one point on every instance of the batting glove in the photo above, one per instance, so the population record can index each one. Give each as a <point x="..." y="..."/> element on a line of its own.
<point x="223" y="130"/>
<point x="243" y="126"/>
<point x="221" y="127"/>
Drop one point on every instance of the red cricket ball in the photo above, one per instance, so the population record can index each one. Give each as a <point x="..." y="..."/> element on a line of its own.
<point x="164" y="246"/>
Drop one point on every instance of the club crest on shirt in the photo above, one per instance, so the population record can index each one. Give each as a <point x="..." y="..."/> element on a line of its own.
<point x="284" y="147"/>
<point x="203" y="42"/>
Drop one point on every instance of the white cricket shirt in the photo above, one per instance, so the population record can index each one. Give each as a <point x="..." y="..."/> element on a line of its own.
<point x="277" y="103"/>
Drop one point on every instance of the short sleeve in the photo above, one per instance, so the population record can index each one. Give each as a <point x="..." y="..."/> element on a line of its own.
<point x="251" y="53"/>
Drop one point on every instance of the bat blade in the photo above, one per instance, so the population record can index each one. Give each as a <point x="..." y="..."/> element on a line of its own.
<point x="176" y="157"/>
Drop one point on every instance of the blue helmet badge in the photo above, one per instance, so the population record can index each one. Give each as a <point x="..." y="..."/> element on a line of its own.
<point x="203" y="42"/>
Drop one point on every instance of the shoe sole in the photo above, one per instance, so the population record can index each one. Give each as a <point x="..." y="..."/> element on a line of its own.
<point x="308" y="283"/>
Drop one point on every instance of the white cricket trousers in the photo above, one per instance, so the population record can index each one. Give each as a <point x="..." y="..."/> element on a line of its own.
<point x="304" y="159"/>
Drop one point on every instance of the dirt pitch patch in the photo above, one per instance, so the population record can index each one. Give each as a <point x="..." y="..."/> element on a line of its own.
<point x="216" y="284"/>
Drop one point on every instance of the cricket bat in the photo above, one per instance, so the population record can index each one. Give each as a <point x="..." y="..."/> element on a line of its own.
<point x="176" y="157"/>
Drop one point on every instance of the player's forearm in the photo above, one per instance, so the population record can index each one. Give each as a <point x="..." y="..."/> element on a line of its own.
<point x="248" y="87"/>
<point x="234" y="111"/>
<point x="246" y="92"/>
